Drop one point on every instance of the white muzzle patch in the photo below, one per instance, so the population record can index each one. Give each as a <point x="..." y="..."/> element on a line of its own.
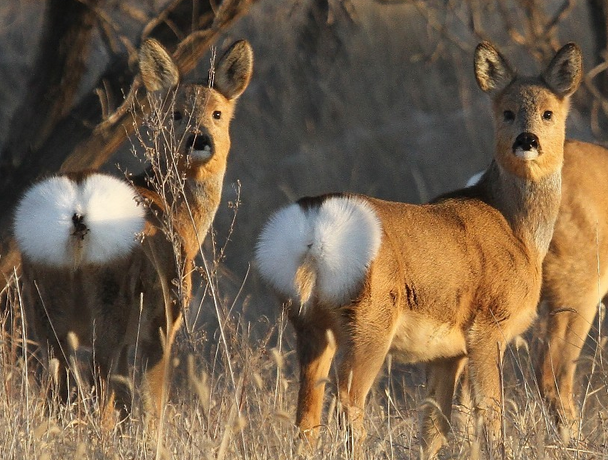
<point x="527" y="155"/>
<point x="201" y="155"/>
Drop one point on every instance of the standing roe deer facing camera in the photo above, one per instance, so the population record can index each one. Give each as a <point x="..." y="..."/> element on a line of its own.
<point x="437" y="283"/>
<point x="98" y="264"/>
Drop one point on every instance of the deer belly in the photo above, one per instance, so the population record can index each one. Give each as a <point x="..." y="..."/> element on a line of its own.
<point x="518" y="323"/>
<point x="420" y="338"/>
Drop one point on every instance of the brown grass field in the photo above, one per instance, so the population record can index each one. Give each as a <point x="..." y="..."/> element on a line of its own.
<point x="387" y="106"/>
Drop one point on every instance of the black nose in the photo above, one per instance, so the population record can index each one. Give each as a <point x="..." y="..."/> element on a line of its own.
<point x="526" y="141"/>
<point x="198" y="142"/>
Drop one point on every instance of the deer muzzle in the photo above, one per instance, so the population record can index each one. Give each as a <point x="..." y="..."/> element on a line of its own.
<point x="526" y="146"/>
<point x="199" y="147"/>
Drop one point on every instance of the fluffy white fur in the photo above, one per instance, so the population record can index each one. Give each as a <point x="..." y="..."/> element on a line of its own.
<point x="43" y="224"/>
<point x="343" y="236"/>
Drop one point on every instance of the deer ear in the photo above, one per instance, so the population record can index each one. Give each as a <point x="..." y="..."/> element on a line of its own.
<point x="158" y="70"/>
<point x="565" y="71"/>
<point x="492" y="71"/>
<point x="234" y="70"/>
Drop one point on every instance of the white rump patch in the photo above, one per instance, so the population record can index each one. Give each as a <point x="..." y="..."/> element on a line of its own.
<point x="342" y="236"/>
<point x="44" y="224"/>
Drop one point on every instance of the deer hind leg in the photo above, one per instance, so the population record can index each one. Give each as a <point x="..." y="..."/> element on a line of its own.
<point x="69" y="367"/>
<point x="316" y="347"/>
<point x="442" y="375"/>
<point x="364" y="354"/>
<point x="567" y="332"/>
<point x="115" y="384"/>
<point x="155" y="362"/>
<point x="47" y="350"/>
<point x="485" y="350"/>
<point x="56" y="355"/>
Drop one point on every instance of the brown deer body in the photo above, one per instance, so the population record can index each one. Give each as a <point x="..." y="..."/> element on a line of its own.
<point x="432" y="283"/>
<point x="99" y="264"/>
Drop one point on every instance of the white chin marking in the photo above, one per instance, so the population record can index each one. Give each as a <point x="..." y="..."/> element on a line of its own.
<point x="201" y="155"/>
<point x="526" y="154"/>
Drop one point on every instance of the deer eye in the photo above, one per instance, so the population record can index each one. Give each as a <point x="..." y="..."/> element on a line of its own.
<point x="547" y="115"/>
<point x="508" y="115"/>
<point x="177" y="115"/>
<point x="217" y="114"/>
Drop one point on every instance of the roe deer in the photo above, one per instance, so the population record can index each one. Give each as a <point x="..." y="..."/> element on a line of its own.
<point x="99" y="264"/>
<point x="437" y="283"/>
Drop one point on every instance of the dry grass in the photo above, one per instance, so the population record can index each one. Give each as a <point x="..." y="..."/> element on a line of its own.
<point x="237" y="400"/>
<point x="395" y="114"/>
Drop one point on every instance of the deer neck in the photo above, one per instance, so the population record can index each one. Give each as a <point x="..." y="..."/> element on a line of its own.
<point x="198" y="208"/>
<point x="530" y="207"/>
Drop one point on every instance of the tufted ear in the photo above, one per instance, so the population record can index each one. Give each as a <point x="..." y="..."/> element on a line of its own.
<point x="492" y="71"/>
<point x="158" y="70"/>
<point x="234" y="70"/>
<point x="565" y="71"/>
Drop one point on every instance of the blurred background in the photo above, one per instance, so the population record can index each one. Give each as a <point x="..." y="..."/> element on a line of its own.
<point x="375" y="97"/>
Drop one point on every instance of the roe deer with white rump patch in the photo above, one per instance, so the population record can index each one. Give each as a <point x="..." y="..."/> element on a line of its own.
<point x="99" y="262"/>
<point x="435" y="283"/>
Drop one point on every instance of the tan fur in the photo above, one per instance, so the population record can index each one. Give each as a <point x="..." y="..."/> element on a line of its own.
<point x="305" y="280"/>
<point x="136" y="303"/>
<point x="455" y="279"/>
<point x="156" y="65"/>
<point x="575" y="276"/>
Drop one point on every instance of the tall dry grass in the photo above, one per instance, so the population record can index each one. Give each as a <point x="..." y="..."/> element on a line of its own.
<point x="235" y="398"/>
